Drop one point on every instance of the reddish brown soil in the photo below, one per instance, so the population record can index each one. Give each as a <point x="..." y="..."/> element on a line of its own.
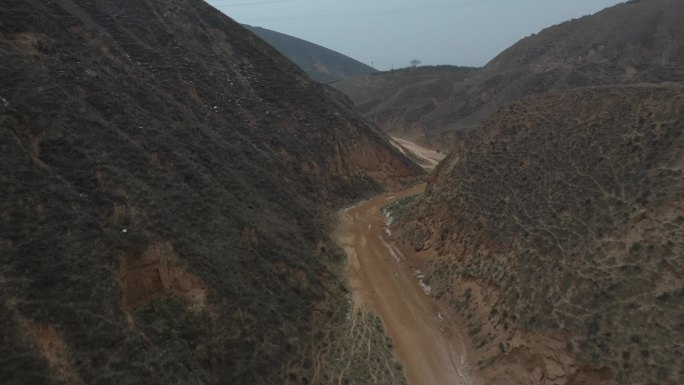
<point x="430" y="347"/>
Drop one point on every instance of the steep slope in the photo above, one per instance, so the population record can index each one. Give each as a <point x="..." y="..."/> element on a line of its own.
<point x="164" y="181"/>
<point x="398" y="100"/>
<point x="634" y="42"/>
<point x="320" y="63"/>
<point x="557" y="233"/>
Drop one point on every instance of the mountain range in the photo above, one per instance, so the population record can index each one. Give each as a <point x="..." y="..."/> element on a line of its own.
<point x="633" y="42"/>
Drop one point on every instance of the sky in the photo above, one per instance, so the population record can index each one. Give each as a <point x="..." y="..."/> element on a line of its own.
<point x="390" y="33"/>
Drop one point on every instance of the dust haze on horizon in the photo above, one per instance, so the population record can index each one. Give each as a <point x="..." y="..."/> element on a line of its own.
<point x="390" y="33"/>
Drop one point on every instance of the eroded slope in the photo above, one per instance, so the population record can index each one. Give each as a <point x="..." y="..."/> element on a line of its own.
<point x="557" y="233"/>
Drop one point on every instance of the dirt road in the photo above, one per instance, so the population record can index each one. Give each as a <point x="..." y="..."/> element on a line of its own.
<point x="429" y="349"/>
<point x="426" y="157"/>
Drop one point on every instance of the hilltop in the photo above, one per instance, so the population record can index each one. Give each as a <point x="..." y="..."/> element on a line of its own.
<point x="167" y="181"/>
<point x="320" y="63"/>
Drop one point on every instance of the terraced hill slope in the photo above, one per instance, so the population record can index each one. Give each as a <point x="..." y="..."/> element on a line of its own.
<point x="164" y="179"/>
<point x="322" y="64"/>
<point x="557" y="233"/>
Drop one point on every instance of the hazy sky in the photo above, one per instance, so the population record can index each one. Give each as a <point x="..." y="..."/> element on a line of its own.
<point x="392" y="32"/>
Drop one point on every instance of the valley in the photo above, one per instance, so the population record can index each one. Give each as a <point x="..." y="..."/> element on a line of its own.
<point x="428" y="344"/>
<point x="190" y="200"/>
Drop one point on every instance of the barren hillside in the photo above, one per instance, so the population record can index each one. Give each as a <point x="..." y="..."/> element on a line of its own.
<point x="164" y="179"/>
<point x="557" y="233"/>
<point x="634" y="42"/>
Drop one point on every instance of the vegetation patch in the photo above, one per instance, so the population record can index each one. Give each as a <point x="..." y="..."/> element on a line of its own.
<point x="400" y="208"/>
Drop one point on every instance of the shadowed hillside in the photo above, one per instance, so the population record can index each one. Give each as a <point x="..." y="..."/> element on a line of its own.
<point x="557" y="233"/>
<point x="164" y="179"/>
<point x="635" y="42"/>
<point x="322" y="64"/>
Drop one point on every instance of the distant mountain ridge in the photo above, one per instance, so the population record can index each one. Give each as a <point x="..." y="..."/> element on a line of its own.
<point x="398" y="100"/>
<point x="320" y="63"/>
<point x="633" y="42"/>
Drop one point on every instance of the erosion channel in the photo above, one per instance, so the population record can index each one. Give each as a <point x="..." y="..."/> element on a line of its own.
<point x="426" y="342"/>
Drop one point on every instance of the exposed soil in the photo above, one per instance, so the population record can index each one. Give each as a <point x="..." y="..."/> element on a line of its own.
<point x="428" y="345"/>
<point x="425" y="157"/>
<point x="156" y="274"/>
<point x="52" y="348"/>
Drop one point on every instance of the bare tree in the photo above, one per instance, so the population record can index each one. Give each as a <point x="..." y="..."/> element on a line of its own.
<point x="415" y="63"/>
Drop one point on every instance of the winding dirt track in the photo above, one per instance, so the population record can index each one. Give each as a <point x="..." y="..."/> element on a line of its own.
<point x="429" y="349"/>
